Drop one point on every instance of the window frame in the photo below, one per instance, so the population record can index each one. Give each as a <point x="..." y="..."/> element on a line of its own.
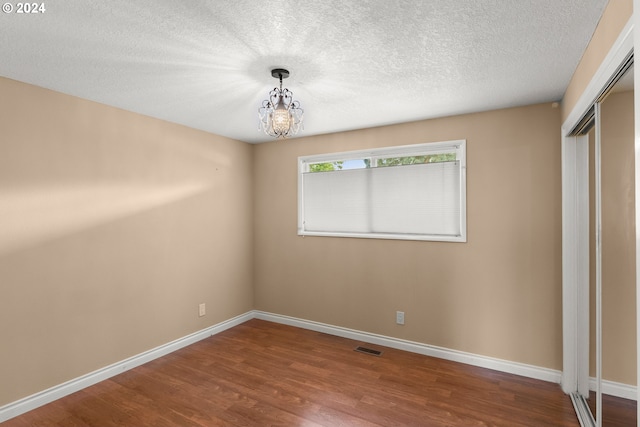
<point x="422" y="149"/>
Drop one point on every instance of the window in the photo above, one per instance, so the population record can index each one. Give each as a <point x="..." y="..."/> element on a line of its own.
<point x="413" y="192"/>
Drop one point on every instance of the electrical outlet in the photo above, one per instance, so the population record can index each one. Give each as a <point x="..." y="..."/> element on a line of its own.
<point x="202" y="309"/>
<point x="400" y="317"/>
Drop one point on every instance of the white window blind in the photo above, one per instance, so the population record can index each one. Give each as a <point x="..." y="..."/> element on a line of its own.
<point x="422" y="201"/>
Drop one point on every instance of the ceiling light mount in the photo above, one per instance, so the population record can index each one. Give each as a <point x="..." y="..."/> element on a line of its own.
<point x="280" y="73"/>
<point x="280" y="116"/>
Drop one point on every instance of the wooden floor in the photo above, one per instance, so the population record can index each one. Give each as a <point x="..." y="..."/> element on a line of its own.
<point x="265" y="374"/>
<point x="616" y="412"/>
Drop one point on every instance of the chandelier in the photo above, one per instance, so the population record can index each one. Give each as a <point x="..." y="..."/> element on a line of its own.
<point x="280" y="116"/>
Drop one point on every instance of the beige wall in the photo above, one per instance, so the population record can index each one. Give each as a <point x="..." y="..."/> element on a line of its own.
<point x="614" y="18"/>
<point x="497" y="295"/>
<point x="113" y="228"/>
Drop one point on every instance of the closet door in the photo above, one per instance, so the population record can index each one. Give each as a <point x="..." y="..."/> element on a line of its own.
<point x="600" y="231"/>
<point x="618" y="254"/>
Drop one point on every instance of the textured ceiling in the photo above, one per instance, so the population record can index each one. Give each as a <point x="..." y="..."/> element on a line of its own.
<point x="354" y="63"/>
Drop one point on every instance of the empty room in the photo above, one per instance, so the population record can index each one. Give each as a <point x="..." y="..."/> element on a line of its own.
<point x="287" y="213"/>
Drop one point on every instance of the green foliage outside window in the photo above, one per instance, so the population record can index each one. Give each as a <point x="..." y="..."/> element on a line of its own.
<point x="325" y="167"/>
<point x="383" y="162"/>
<point x="414" y="160"/>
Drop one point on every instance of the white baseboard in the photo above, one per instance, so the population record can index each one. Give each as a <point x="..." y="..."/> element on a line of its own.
<point x="522" y="369"/>
<point x="36" y="400"/>
<point x="615" y="389"/>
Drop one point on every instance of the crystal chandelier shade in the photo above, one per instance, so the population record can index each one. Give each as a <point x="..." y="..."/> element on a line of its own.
<point x="280" y="116"/>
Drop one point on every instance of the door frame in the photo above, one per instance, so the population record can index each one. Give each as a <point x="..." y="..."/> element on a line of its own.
<point x="575" y="218"/>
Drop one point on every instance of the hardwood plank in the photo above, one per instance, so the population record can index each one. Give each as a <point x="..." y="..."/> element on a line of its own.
<point x="266" y="374"/>
<point x="616" y="412"/>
